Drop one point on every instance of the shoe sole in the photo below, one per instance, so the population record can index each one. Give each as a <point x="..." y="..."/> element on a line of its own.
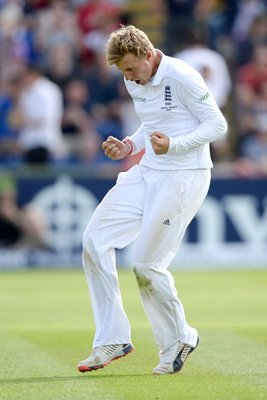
<point x="84" y="368"/>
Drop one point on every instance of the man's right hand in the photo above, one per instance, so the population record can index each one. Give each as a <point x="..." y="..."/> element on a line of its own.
<point x="115" y="148"/>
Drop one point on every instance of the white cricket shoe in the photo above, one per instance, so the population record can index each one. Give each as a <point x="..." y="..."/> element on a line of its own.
<point x="183" y="351"/>
<point x="103" y="355"/>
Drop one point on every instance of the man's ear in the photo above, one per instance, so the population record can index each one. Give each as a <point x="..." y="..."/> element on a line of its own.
<point x="149" y="55"/>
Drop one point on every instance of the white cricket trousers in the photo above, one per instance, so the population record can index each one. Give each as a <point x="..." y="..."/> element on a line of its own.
<point x="155" y="207"/>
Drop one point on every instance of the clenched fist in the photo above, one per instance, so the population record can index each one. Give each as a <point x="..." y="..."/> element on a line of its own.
<point x="115" y="148"/>
<point x="160" y="142"/>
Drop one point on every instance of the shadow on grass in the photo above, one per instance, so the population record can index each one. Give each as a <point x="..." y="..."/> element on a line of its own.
<point x="66" y="378"/>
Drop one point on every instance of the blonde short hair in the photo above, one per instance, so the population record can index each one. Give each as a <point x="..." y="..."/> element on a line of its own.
<point x="127" y="39"/>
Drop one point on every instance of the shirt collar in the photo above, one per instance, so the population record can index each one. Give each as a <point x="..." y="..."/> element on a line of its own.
<point x="157" y="78"/>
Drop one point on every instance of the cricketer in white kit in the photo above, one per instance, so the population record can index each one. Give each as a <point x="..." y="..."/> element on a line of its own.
<point x="153" y="202"/>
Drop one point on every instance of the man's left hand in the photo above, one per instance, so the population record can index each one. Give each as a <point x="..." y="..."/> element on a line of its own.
<point x="160" y="142"/>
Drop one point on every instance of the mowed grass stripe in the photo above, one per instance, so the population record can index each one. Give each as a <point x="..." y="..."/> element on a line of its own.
<point x="23" y="357"/>
<point x="30" y="372"/>
<point x="207" y="383"/>
<point x="40" y="373"/>
<point x="47" y="326"/>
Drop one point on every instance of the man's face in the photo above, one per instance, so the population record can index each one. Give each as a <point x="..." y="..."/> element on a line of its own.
<point x="135" y="68"/>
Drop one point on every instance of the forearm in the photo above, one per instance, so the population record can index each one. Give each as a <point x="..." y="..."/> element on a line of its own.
<point x="207" y="132"/>
<point x="137" y="139"/>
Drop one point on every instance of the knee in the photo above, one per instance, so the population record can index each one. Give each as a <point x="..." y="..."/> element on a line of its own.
<point x="87" y="240"/>
<point x="94" y="245"/>
<point x="144" y="278"/>
<point x="90" y="242"/>
<point x="90" y="257"/>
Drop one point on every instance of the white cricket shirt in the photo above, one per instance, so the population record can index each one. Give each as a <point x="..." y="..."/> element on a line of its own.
<point x="177" y="103"/>
<point x="42" y="107"/>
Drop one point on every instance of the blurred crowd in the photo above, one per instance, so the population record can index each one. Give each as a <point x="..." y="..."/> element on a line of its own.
<point x="59" y="100"/>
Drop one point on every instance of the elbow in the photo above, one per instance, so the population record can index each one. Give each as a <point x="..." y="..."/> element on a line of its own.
<point x="222" y="127"/>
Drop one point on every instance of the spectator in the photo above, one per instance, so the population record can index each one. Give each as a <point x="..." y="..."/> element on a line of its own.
<point x="31" y="6"/>
<point x="247" y="11"/>
<point x="214" y="69"/>
<point x="256" y="35"/>
<point x="38" y="118"/>
<point x="17" y="45"/>
<point x="209" y="63"/>
<point x="103" y="82"/>
<point x="96" y="19"/>
<point x="82" y="140"/>
<point x="178" y="16"/>
<point x="9" y="149"/>
<point x="61" y="65"/>
<point x="20" y="227"/>
<point x="218" y="16"/>
<point x="254" y="148"/>
<point x="68" y="38"/>
<point x="251" y="111"/>
<point x="57" y="24"/>
<point x="252" y="159"/>
<point x="76" y="107"/>
<point x="107" y="121"/>
<point x="250" y="85"/>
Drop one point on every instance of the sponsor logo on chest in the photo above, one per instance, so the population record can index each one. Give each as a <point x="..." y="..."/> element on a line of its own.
<point x="139" y="99"/>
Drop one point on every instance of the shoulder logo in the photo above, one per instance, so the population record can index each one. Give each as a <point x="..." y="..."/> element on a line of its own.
<point x="204" y="97"/>
<point x="166" y="222"/>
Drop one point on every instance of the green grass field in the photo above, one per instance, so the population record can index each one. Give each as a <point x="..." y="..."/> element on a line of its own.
<point x="47" y="327"/>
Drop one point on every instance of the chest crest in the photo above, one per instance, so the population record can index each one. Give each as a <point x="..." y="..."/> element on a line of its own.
<point x="167" y="103"/>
